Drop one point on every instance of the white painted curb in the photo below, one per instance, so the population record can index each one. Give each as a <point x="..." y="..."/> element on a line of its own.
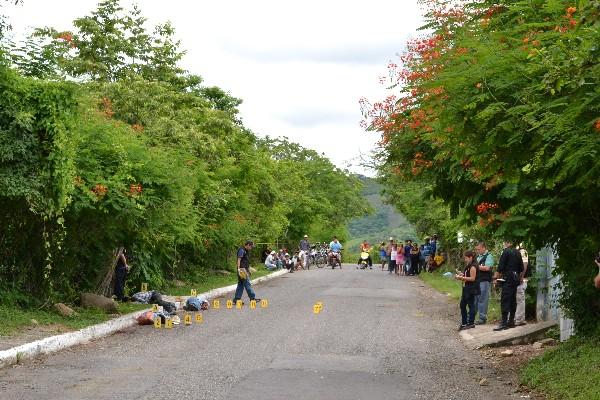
<point x="59" y="342"/>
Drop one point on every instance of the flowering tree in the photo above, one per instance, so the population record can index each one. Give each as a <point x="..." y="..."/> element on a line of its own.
<point x="497" y="109"/>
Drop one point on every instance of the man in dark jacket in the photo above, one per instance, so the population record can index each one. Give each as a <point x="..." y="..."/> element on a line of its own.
<point x="510" y="267"/>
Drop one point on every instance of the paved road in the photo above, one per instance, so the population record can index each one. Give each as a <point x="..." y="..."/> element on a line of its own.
<point x="378" y="337"/>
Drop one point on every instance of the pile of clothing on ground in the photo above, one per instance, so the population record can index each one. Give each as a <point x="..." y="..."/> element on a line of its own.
<point x="167" y="309"/>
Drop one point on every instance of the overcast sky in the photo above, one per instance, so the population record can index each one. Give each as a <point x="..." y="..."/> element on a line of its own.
<point x="299" y="66"/>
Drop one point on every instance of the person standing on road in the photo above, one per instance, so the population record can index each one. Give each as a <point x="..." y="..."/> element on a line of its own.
<point x="520" y="313"/>
<point x="470" y="291"/>
<point x="121" y="270"/>
<point x="243" y="272"/>
<point x="415" y="256"/>
<point x="382" y="255"/>
<point x="485" y="260"/>
<point x="510" y="267"/>
<point x="392" y="262"/>
<point x="407" y="257"/>
<point x="305" y="247"/>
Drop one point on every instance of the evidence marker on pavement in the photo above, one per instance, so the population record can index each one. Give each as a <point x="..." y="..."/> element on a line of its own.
<point x="229" y="304"/>
<point x="157" y="323"/>
<point x="318" y="307"/>
<point x="154" y="307"/>
<point x="198" y="318"/>
<point x="144" y="287"/>
<point x="193" y="292"/>
<point x="216" y="304"/>
<point x="253" y="304"/>
<point x="169" y="323"/>
<point x="238" y="304"/>
<point x="187" y="319"/>
<point x="264" y="303"/>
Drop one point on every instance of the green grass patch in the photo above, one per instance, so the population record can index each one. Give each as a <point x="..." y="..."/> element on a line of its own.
<point x="570" y="371"/>
<point x="208" y="282"/>
<point x="15" y="318"/>
<point x="453" y="289"/>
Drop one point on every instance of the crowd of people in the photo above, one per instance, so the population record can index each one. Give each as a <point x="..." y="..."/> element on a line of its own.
<point x="478" y="277"/>
<point x="302" y="257"/>
<point x="410" y="258"/>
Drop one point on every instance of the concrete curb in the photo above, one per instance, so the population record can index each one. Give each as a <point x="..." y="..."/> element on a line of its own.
<point x="59" y="342"/>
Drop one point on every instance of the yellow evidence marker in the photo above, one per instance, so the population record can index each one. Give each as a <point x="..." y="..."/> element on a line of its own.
<point x="157" y="323"/>
<point x="198" y="318"/>
<point x="316" y="309"/>
<point x="264" y="303"/>
<point x="187" y="319"/>
<point x="229" y="304"/>
<point x="216" y="304"/>
<point x="154" y="307"/>
<point x="320" y="305"/>
<point x="193" y="292"/>
<point x="253" y="304"/>
<point x="144" y="287"/>
<point x="169" y="323"/>
<point x="238" y="304"/>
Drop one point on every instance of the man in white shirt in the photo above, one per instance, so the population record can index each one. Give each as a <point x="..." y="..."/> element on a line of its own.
<point x="270" y="263"/>
<point x="520" y="313"/>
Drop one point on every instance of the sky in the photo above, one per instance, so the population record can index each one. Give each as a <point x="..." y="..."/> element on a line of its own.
<point x="300" y="67"/>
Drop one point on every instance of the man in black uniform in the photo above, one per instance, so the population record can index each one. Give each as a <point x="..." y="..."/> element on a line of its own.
<point x="510" y="268"/>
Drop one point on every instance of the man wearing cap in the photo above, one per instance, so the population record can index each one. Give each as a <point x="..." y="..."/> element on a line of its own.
<point x="510" y="268"/>
<point x="243" y="272"/>
<point x="305" y="248"/>
<point x="270" y="262"/>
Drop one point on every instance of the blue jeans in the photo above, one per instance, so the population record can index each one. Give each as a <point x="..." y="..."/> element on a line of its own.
<point x="483" y="300"/>
<point x="239" y="291"/>
<point x="467" y="299"/>
<point x="271" y="267"/>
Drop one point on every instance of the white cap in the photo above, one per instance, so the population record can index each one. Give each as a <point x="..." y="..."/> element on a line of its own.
<point x="273" y="252"/>
<point x="391" y="238"/>
<point x="305" y="235"/>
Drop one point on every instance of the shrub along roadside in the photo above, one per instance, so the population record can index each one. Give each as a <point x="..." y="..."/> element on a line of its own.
<point x="569" y="372"/>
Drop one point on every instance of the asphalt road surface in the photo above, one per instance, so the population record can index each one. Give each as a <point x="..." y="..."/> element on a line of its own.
<point x="377" y="337"/>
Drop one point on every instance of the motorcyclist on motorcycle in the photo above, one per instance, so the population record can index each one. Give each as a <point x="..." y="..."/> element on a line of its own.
<point x="365" y="247"/>
<point x="335" y="250"/>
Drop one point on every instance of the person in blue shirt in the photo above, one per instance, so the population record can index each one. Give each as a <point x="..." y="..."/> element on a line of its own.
<point x="485" y="262"/>
<point x="335" y="247"/>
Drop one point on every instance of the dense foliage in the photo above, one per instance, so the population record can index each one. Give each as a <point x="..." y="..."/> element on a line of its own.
<point x="105" y="141"/>
<point x="496" y="110"/>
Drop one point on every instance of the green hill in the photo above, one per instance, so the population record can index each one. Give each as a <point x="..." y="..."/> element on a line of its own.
<point x="379" y="226"/>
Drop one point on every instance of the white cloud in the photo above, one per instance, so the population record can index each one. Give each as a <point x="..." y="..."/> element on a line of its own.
<point x="300" y="67"/>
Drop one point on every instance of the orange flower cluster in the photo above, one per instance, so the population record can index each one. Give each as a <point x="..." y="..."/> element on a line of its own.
<point x="597" y="125"/>
<point x="135" y="189"/>
<point x="99" y="190"/>
<point x="484" y="207"/>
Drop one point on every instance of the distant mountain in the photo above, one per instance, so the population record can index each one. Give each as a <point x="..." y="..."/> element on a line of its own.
<point x="380" y="225"/>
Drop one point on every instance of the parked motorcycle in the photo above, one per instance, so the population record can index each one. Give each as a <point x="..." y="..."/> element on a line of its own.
<point x="363" y="263"/>
<point x="335" y="260"/>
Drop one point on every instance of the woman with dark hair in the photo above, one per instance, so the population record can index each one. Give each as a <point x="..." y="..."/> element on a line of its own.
<point x="469" y="292"/>
<point x="121" y="270"/>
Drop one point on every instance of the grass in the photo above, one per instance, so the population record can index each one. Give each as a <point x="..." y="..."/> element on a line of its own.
<point x="210" y="282"/>
<point x="15" y="319"/>
<point x="570" y="371"/>
<point x="453" y="287"/>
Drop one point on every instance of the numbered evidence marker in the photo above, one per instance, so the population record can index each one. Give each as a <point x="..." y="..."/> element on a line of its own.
<point x="157" y="323"/>
<point x="316" y="309"/>
<point x="229" y="304"/>
<point x="198" y="318"/>
<point x="264" y="303"/>
<point x="320" y="305"/>
<point x="169" y="323"/>
<point x="238" y="304"/>
<point x="144" y="287"/>
<point x="193" y="292"/>
<point x="216" y="304"/>
<point x="187" y="319"/>
<point x="154" y="307"/>
<point x="253" y="304"/>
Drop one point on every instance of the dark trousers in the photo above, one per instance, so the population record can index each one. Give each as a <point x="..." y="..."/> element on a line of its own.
<point x="467" y="299"/>
<point x="120" y="276"/>
<point x="508" y="303"/>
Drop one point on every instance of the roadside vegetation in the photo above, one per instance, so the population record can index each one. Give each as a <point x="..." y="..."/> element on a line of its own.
<point x="491" y="129"/>
<point x="106" y="142"/>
